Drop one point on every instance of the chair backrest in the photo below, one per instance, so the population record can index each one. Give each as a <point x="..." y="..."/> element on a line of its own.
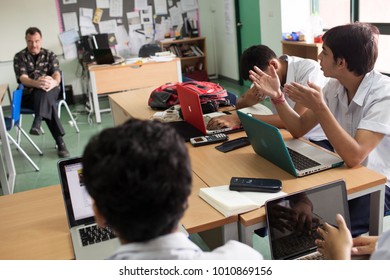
<point x="148" y="50"/>
<point x="16" y="103"/>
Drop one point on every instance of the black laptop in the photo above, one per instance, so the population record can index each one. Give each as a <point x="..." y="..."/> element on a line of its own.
<point x="103" y="56"/>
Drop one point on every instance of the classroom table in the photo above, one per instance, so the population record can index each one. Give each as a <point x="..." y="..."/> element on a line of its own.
<point x="105" y="79"/>
<point x="216" y="168"/>
<point x="7" y="168"/>
<point x="34" y="224"/>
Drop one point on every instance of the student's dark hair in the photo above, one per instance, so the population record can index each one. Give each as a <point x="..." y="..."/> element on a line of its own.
<point x="258" y="55"/>
<point x="33" y="30"/>
<point x="357" y="43"/>
<point x="139" y="175"/>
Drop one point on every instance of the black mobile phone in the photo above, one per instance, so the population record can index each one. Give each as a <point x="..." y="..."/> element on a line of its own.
<point x="255" y="184"/>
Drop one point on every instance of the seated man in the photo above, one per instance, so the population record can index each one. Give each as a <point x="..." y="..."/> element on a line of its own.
<point x="289" y="69"/>
<point x="139" y="177"/>
<point x="38" y="70"/>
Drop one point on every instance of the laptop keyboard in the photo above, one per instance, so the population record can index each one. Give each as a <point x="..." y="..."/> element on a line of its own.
<point x="94" y="234"/>
<point x="300" y="161"/>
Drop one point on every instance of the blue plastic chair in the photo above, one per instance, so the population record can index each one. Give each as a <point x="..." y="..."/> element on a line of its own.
<point x="14" y="121"/>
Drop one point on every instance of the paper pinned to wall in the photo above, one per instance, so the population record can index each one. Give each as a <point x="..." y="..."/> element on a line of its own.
<point x="160" y="7"/>
<point x="107" y="26"/>
<point x="70" y="21"/>
<point x="140" y="4"/>
<point x="116" y="8"/>
<point x="103" y="4"/>
<point x="189" y="5"/>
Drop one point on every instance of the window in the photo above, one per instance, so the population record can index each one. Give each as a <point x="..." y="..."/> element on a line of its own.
<point x="337" y="12"/>
<point x="333" y="12"/>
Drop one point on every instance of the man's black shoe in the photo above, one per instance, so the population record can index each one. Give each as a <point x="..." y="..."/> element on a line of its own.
<point x="35" y="131"/>
<point x="36" y="126"/>
<point x="62" y="151"/>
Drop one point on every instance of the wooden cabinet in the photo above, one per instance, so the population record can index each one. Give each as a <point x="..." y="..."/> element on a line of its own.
<point x="302" y="49"/>
<point x="192" y="53"/>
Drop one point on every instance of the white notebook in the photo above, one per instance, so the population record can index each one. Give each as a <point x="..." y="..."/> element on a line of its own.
<point x="231" y="203"/>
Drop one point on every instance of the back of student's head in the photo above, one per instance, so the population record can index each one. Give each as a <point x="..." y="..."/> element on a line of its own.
<point x="259" y="55"/>
<point x="139" y="175"/>
<point x="357" y="43"/>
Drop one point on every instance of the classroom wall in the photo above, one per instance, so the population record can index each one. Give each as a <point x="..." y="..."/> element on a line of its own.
<point x="221" y="47"/>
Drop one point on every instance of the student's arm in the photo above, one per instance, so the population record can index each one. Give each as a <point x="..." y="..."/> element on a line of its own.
<point x="250" y="98"/>
<point x="269" y="85"/>
<point x="353" y="150"/>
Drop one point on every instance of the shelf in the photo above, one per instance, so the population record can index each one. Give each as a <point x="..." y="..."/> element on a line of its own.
<point x="190" y="45"/>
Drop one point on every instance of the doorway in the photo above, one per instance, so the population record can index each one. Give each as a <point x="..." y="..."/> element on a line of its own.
<point x="248" y="27"/>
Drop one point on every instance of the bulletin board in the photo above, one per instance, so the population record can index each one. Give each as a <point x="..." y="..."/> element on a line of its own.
<point x="139" y="31"/>
<point x="18" y="15"/>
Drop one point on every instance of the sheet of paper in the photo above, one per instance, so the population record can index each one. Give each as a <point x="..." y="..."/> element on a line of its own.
<point x="69" y="37"/>
<point x="133" y="18"/>
<point x="140" y="4"/>
<point x="189" y="5"/>
<point x="160" y="7"/>
<point x="136" y="40"/>
<point x="108" y="26"/>
<point x="116" y="8"/>
<point x="70" y="51"/>
<point x="66" y="2"/>
<point x="103" y="4"/>
<point x="176" y="17"/>
<point x="70" y="21"/>
<point x="147" y="16"/>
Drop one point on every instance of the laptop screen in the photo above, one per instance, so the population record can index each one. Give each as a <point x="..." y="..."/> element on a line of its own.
<point x="293" y="220"/>
<point x="77" y="200"/>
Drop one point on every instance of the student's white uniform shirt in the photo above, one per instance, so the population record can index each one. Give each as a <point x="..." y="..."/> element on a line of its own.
<point x="368" y="110"/>
<point x="382" y="251"/>
<point x="177" y="246"/>
<point x="301" y="71"/>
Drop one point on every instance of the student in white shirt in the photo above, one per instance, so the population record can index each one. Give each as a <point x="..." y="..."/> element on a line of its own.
<point x="289" y="69"/>
<point x="139" y="177"/>
<point x="352" y="108"/>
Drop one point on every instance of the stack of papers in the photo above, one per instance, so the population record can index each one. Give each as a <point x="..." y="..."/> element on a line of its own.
<point x="230" y="203"/>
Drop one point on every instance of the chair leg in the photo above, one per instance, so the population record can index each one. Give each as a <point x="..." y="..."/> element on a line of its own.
<point x="63" y="103"/>
<point x="30" y="140"/>
<point x="23" y="152"/>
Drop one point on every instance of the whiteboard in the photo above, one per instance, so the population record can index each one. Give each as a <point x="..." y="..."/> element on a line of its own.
<point x="18" y="15"/>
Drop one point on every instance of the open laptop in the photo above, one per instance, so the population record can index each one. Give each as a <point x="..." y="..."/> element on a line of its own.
<point x="295" y="242"/>
<point x="80" y="215"/>
<point x="193" y="115"/>
<point x="295" y="156"/>
<point x="103" y="56"/>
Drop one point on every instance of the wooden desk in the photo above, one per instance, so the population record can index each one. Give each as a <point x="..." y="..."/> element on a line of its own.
<point x="7" y="168"/>
<point x="34" y="226"/>
<point x="114" y="78"/>
<point x="245" y="163"/>
<point x="216" y="168"/>
<point x="34" y="223"/>
<point x="302" y="49"/>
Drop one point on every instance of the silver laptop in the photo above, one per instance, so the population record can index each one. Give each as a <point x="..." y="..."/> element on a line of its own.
<point x="89" y="241"/>
<point x="295" y="156"/>
<point x="290" y="239"/>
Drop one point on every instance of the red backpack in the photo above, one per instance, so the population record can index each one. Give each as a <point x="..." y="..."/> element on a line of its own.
<point x="211" y="95"/>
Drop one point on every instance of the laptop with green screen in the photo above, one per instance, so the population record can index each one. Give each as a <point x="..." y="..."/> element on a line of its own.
<point x="295" y="156"/>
